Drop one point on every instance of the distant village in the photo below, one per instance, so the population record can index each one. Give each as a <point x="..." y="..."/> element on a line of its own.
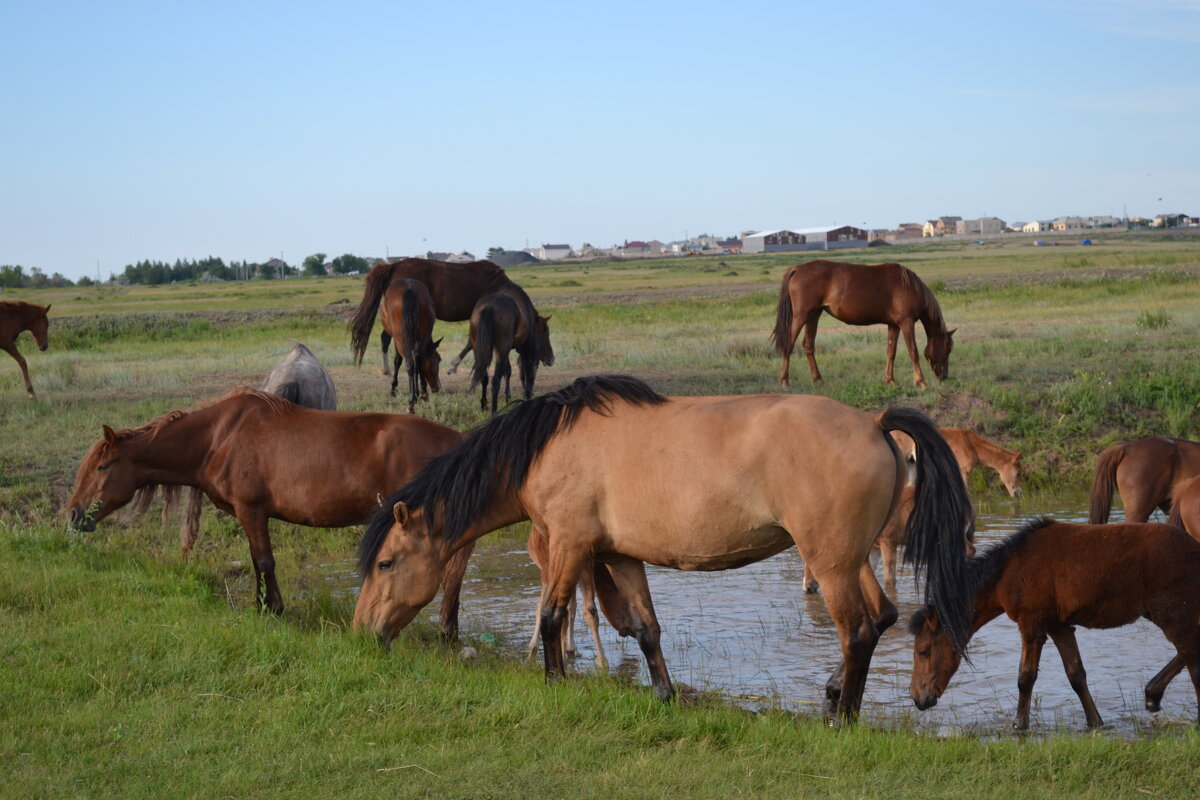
<point x="823" y="238"/>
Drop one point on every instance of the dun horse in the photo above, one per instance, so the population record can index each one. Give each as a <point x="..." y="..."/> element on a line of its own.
<point x="612" y="471"/>
<point x="259" y="457"/>
<point x="1147" y="473"/>
<point x="497" y="328"/>
<point x="1052" y="576"/>
<point x="15" y="317"/>
<point x="300" y="378"/>
<point x="407" y="316"/>
<point x="860" y="294"/>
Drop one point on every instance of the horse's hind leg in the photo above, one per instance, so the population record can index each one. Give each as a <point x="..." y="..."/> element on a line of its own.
<point x="395" y="373"/>
<point x="412" y="382"/>
<point x="859" y="634"/>
<point x="1064" y="640"/>
<point x="629" y="576"/>
<point x="385" y="339"/>
<point x="811" y="586"/>
<point x="883" y="615"/>
<point x="810" y="343"/>
<point x="497" y="377"/>
<point x="458" y="359"/>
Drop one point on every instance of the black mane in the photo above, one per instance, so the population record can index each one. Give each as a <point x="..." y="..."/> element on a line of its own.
<point x="456" y="488"/>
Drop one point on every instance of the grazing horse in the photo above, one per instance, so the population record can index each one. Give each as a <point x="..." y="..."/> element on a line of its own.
<point x="259" y="457"/>
<point x="971" y="450"/>
<point x="497" y="328"/>
<point x="1051" y="576"/>
<point x="612" y="471"/>
<point x="301" y="379"/>
<point x="407" y="316"/>
<point x="455" y="289"/>
<point x="1147" y="473"/>
<point x="17" y="316"/>
<point x="860" y="294"/>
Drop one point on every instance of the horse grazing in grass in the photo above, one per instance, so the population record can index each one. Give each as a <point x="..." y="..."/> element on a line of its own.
<point x="1051" y="576"/>
<point x="1147" y="473"/>
<point x="15" y="317"/>
<point x="860" y="294"/>
<point x="407" y="316"/>
<point x="612" y="471"/>
<point x="259" y="457"/>
<point x="971" y="450"/>
<point x="497" y="328"/>
<point x="454" y="289"/>
<point x="300" y="378"/>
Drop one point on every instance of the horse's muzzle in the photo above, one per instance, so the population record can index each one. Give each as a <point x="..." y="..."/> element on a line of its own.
<point x="80" y="521"/>
<point x="925" y="701"/>
<point x="44" y="347"/>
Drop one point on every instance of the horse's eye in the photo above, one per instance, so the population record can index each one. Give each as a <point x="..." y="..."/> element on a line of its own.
<point x="386" y="565"/>
<point x="102" y="467"/>
<point x="923" y="653"/>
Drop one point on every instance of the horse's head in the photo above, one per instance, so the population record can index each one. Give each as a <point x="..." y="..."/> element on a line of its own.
<point x="1010" y="474"/>
<point x="431" y="365"/>
<point x="545" y="349"/>
<point x="934" y="658"/>
<point x="105" y="481"/>
<point x="937" y="352"/>
<point x="403" y="576"/>
<point x="39" y="326"/>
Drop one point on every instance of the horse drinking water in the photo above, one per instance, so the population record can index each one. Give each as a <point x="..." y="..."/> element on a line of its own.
<point x="609" y="470"/>
<point x="15" y="317"/>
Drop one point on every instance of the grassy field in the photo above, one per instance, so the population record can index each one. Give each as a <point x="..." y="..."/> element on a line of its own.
<point x="126" y="672"/>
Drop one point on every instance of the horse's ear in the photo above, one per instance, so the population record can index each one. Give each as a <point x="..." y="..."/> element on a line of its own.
<point x="46" y="309"/>
<point x="951" y="332"/>
<point x="547" y="318"/>
<point x="109" y="435"/>
<point x="400" y="512"/>
<point x="439" y="341"/>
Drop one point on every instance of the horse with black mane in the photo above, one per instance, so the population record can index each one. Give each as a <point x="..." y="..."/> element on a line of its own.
<point x="1052" y="576"/>
<point x="617" y="476"/>
<point x="15" y="317"/>
<point x="860" y="294"/>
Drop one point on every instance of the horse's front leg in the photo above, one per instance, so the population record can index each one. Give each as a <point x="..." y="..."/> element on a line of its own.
<point x="1068" y="648"/>
<point x="452" y="579"/>
<point x="1031" y="655"/>
<point x="11" y="349"/>
<point x="267" y="594"/>
<point x="910" y="341"/>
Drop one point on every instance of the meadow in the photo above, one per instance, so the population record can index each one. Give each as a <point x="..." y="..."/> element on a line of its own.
<point x="126" y="671"/>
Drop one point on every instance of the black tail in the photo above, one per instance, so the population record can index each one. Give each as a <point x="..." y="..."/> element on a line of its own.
<point x="485" y="333"/>
<point x="941" y="523"/>
<point x="364" y="317"/>
<point x="289" y="391"/>
<point x="783" y="319"/>
<point x="410" y="333"/>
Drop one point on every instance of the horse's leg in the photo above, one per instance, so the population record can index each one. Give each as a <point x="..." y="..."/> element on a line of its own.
<point x="413" y="369"/>
<point x="458" y="359"/>
<point x="629" y="575"/>
<point x="1064" y="640"/>
<point x="811" y="585"/>
<point x="1158" y="684"/>
<point x="559" y="577"/>
<point x="893" y="334"/>
<point x="497" y="377"/>
<point x="588" y="585"/>
<point x="452" y="578"/>
<point x="1032" y="642"/>
<point x="887" y="554"/>
<point x="385" y="339"/>
<point x="508" y="381"/>
<point x="267" y="594"/>
<point x="568" y="633"/>
<point x="11" y="349"/>
<point x="810" y="344"/>
<point x="395" y="373"/>
<point x="910" y="341"/>
<point x="883" y="615"/>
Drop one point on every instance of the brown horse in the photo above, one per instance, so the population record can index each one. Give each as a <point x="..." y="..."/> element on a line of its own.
<point x="860" y="294"/>
<point x="454" y="288"/>
<point x="612" y="471"/>
<point x="971" y="450"/>
<point x="1052" y="576"/>
<point x="407" y="316"/>
<point x="497" y="328"/>
<point x="1147" y="473"/>
<point x="259" y="457"/>
<point x="17" y="316"/>
<point x="1185" y="507"/>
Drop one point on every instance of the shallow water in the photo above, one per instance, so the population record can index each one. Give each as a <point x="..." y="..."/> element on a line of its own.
<point x="753" y="635"/>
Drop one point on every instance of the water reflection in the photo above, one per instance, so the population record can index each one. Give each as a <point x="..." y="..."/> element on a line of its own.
<point x="755" y="636"/>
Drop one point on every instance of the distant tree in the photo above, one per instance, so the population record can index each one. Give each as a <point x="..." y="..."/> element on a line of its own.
<point x="58" y="281"/>
<point x="314" y="264"/>
<point x="350" y="263"/>
<point x="37" y="278"/>
<point x="12" y="277"/>
<point x="266" y="271"/>
<point x="85" y="281"/>
<point x="494" y="253"/>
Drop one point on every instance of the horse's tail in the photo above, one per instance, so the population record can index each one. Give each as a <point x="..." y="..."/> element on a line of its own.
<point x="409" y="331"/>
<point x="190" y="530"/>
<point x="942" y="521"/>
<point x="289" y="391"/>
<point x="364" y="317"/>
<point x="485" y="333"/>
<point x="783" y="318"/>
<point x="1104" y="483"/>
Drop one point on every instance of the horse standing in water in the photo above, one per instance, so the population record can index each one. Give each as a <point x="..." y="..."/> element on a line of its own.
<point x="407" y="316"/>
<point x="611" y="471"/>
<point x="860" y="294"/>
<point x="1051" y="576"/>
<point x="1148" y="473"/>
<point x="971" y="450"/>
<point x="259" y="457"/>
<point x="15" y="317"/>
<point x="497" y="328"/>
<point x="300" y="378"/>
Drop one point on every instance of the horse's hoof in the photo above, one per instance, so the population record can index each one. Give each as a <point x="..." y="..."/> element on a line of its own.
<point x="922" y="385"/>
<point x="1153" y="703"/>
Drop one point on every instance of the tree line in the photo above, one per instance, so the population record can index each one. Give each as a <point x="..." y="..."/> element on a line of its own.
<point x="151" y="273"/>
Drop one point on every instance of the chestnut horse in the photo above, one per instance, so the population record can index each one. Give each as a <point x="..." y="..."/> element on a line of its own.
<point x="17" y="316"/>
<point x="1052" y="576"/>
<point x="612" y="471"/>
<point x="1185" y="507"/>
<point x="259" y="457"/>
<point x="497" y="328"/>
<point x="971" y="450"/>
<point x="455" y="289"/>
<point x="407" y="316"/>
<point x="1147" y="473"/>
<point x="860" y="294"/>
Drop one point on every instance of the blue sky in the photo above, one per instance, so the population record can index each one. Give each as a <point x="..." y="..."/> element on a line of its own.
<point x="249" y="129"/>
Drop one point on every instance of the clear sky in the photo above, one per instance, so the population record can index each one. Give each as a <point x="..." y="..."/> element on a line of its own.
<point x="163" y="130"/>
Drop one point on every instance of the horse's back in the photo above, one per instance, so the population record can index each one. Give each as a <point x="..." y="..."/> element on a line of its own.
<point x="454" y="287"/>
<point x="857" y="294"/>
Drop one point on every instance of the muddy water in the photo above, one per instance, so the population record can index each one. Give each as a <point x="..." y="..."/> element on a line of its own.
<point x="753" y="635"/>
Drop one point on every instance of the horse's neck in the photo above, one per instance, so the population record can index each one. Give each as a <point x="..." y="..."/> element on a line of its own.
<point x="506" y="510"/>
<point x="985" y="606"/>
<point x="992" y="455"/>
<point x="175" y="454"/>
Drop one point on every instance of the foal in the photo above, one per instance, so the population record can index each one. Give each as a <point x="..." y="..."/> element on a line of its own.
<point x="1051" y="576"/>
<point x="407" y="316"/>
<point x="498" y="327"/>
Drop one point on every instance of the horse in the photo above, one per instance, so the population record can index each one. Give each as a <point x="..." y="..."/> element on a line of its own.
<point x="498" y="327"/>
<point x="407" y="315"/>
<point x="861" y="294"/>
<point x="1185" y="507"/>
<point x="454" y="288"/>
<point x="1051" y="576"/>
<point x="971" y="450"/>
<point x="300" y="378"/>
<point x="612" y="471"/>
<point x="17" y="316"/>
<point x="259" y="457"/>
<point x="1147" y="473"/>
